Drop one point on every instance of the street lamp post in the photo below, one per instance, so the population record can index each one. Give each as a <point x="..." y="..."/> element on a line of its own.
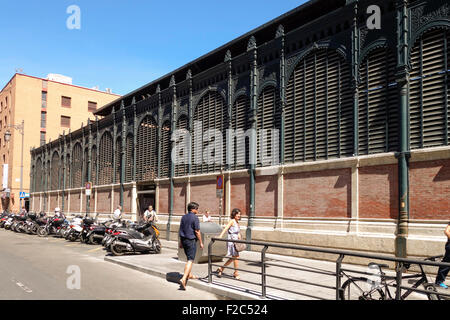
<point x="20" y="128"/>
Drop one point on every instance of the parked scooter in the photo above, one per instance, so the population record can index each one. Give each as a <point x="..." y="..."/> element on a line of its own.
<point x="116" y="229"/>
<point x="87" y="225"/>
<point x="144" y="240"/>
<point x="74" y="230"/>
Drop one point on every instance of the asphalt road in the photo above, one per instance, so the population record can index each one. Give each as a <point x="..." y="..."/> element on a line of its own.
<point x="33" y="268"/>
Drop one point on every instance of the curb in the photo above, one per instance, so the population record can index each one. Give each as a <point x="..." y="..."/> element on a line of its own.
<point x="221" y="290"/>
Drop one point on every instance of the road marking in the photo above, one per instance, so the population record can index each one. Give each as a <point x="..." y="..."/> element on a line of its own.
<point x="96" y="249"/>
<point x="23" y="287"/>
<point x="71" y="245"/>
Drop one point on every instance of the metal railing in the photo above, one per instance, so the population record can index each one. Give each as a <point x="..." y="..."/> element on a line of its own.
<point x="401" y="265"/>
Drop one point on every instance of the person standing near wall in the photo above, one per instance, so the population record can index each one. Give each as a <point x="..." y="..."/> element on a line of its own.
<point x="443" y="271"/>
<point x="189" y="234"/>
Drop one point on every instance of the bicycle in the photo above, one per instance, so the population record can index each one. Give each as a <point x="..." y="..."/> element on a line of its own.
<point x="362" y="288"/>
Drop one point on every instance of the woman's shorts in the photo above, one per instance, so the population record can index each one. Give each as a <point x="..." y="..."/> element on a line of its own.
<point x="190" y="248"/>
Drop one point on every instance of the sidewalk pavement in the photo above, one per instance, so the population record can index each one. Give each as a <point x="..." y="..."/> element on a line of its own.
<point x="317" y="277"/>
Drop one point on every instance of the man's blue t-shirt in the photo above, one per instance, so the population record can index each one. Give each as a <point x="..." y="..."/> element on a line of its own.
<point x="189" y="223"/>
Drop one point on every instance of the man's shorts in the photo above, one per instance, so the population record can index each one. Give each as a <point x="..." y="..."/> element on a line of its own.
<point x="190" y="248"/>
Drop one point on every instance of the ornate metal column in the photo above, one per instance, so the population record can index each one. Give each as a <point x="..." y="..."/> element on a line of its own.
<point x="122" y="153"/>
<point x="402" y="76"/>
<point x="252" y="49"/>
<point x="280" y="37"/>
<point x="172" y="86"/>
<point x="89" y="166"/>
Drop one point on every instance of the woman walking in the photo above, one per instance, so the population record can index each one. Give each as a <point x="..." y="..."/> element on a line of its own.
<point x="234" y="233"/>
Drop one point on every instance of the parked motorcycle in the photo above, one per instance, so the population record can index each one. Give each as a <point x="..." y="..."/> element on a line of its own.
<point x="9" y="221"/>
<point x="50" y="227"/>
<point x="3" y="217"/>
<point x="144" y="240"/>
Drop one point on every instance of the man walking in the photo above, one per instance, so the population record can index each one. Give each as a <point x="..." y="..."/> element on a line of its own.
<point x="189" y="233"/>
<point x="443" y="271"/>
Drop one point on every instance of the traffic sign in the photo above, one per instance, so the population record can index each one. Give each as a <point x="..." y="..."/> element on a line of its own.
<point x="219" y="184"/>
<point x="23" y="195"/>
<point x="88" y="188"/>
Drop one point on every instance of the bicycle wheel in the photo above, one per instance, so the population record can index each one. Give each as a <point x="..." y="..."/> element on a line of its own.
<point x="360" y="289"/>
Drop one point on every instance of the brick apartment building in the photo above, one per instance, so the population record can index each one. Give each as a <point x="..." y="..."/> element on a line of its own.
<point x="363" y="154"/>
<point x="48" y="108"/>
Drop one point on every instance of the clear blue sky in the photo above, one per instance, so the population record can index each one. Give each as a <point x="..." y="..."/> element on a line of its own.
<point x="122" y="45"/>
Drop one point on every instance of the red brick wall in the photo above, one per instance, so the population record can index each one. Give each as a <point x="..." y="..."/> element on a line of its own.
<point x="75" y="201"/>
<point x="53" y="201"/>
<point x="318" y="194"/>
<point x="266" y="190"/>
<point x="240" y="195"/>
<point x="104" y="201"/>
<point x="116" y="198"/>
<point x="126" y="200"/>
<point x="204" y="193"/>
<point x="378" y="192"/>
<point x="179" y="198"/>
<point x="164" y="198"/>
<point x="429" y="196"/>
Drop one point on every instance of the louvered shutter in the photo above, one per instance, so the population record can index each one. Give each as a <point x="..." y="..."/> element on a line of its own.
<point x="129" y="159"/>
<point x="211" y="112"/>
<point x="147" y="150"/>
<point x="239" y="122"/>
<point x="429" y="90"/>
<point x="182" y="169"/>
<point x="377" y="106"/>
<point x="165" y="149"/>
<point x="319" y="109"/>
<point x="38" y="178"/>
<point x="118" y="159"/>
<point x="105" y="159"/>
<point x="55" y="171"/>
<point x="94" y="165"/>
<point x="77" y="166"/>
<point x="267" y="119"/>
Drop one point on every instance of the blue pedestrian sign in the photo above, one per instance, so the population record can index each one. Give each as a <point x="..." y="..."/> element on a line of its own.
<point x="23" y="195"/>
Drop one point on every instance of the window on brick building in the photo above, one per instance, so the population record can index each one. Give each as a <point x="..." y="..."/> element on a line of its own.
<point x="66" y="102"/>
<point x="92" y="106"/>
<point x="42" y="138"/>
<point x="65" y="122"/>
<point x="43" y="119"/>
<point x="44" y="99"/>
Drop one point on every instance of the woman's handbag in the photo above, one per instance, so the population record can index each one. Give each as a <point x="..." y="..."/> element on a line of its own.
<point x="240" y="246"/>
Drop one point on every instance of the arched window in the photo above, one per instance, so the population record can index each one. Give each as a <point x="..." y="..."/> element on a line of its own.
<point x="182" y="169"/>
<point x="55" y="172"/>
<point x="165" y="149"/>
<point x="94" y="162"/>
<point x="147" y="150"/>
<point x="429" y="89"/>
<point x="38" y="176"/>
<point x="240" y="125"/>
<point x="77" y="166"/>
<point x="118" y="158"/>
<point x="209" y="155"/>
<point x="129" y="159"/>
<point x="105" y="159"/>
<point x="268" y="126"/>
<point x="377" y="103"/>
<point x="319" y="108"/>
